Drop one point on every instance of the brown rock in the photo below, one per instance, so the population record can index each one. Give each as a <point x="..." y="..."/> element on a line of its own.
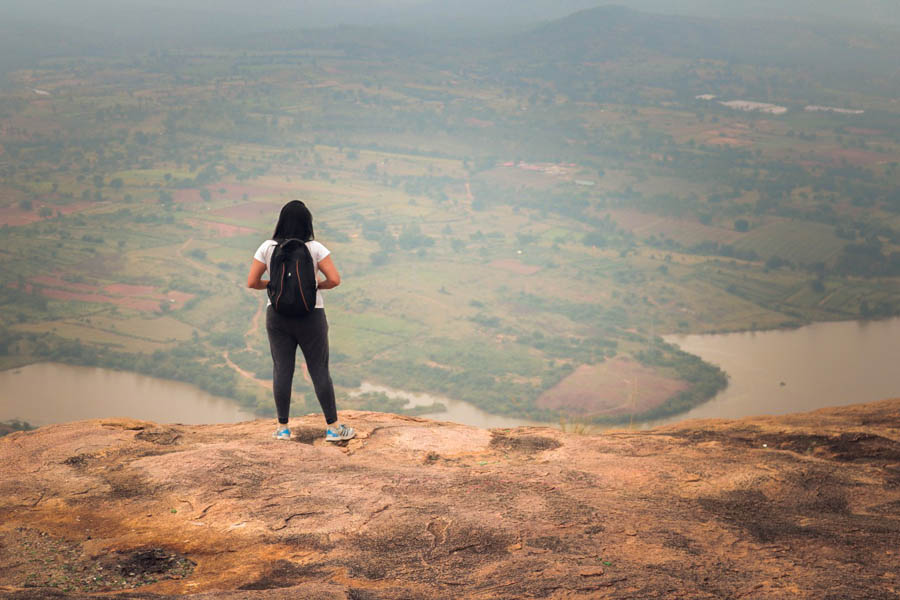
<point x="421" y="509"/>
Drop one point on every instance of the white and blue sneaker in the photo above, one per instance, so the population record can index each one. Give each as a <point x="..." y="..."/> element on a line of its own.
<point x="339" y="433"/>
<point x="282" y="433"/>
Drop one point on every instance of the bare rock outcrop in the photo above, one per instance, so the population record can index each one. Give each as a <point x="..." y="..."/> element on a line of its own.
<point x="799" y="506"/>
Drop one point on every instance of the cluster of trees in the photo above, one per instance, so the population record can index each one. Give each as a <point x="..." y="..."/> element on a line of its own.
<point x="409" y="238"/>
<point x="478" y="386"/>
<point x="7" y="427"/>
<point x="868" y="259"/>
<point x="705" y="380"/>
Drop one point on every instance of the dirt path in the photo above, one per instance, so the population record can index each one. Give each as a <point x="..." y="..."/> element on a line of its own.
<point x="826" y="299"/>
<point x="194" y="263"/>
<point x="254" y="323"/>
<point x="254" y="327"/>
<point x="245" y="374"/>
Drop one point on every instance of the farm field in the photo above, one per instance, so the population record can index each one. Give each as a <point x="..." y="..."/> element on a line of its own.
<point x="614" y="387"/>
<point x="507" y="236"/>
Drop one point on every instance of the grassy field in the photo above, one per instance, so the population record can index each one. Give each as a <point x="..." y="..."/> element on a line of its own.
<point x="798" y="241"/>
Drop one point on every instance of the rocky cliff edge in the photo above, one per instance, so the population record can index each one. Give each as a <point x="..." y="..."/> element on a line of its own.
<point x="797" y="506"/>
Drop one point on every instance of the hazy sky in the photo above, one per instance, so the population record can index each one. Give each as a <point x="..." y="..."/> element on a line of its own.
<point x="135" y="20"/>
<point x="361" y="12"/>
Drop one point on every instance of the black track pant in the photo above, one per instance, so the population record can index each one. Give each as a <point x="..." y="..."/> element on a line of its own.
<point x="310" y="332"/>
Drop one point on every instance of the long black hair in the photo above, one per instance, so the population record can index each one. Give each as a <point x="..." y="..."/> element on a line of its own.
<point x="294" y="222"/>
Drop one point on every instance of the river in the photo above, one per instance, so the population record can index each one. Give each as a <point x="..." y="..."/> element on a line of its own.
<point x="46" y="393"/>
<point x="770" y="372"/>
<point x="797" y="370"/>
<point x="458" y="411"/>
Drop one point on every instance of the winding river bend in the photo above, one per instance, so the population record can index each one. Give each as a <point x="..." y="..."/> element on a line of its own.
<point x="771" y="372"/>
<point x="785" y="371"/>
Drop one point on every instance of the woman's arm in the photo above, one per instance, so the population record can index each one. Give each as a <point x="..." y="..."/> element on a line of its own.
<point x="254" y="277"/>
<point x="332" y="277"/>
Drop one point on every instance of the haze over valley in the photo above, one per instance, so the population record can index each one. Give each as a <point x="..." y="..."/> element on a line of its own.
<point x="523" y="198"/>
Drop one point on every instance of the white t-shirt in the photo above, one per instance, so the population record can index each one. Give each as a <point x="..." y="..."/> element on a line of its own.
<point x="316" y="250"/>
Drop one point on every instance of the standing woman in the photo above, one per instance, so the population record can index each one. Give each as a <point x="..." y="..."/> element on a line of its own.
<point x="309" y="331"/>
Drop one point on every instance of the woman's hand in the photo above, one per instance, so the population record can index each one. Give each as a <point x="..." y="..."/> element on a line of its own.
<point x="254" y="277"/>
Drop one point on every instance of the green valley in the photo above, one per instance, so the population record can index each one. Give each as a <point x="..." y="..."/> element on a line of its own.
<point x="511" y="214"/>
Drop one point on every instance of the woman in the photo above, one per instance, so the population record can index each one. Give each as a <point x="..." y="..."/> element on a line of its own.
<point x="309" y="331"/>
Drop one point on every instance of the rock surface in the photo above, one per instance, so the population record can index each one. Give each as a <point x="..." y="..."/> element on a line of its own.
<point x="799" y="506"/>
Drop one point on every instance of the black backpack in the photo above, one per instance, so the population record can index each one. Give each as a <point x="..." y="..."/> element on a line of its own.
<point x="292" y="279"/>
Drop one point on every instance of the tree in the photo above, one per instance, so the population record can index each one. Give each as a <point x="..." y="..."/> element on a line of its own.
<point x="776" y="262"/>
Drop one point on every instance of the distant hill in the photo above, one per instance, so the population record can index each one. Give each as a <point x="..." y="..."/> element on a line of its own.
<point x="168" y="19"/>
<point x="881" y="12"/>
<point x="611" y="32"/>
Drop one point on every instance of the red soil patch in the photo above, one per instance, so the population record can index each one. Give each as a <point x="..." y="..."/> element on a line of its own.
<point x="478" y="122"/>
<point x="609" y="389"/>
<point x="179" y="297"/>
<point x="250" y="210"/>
<point x="15" y="216"/>
<point x="124" y="289"/>
<point x="220" y="229"/>
<point x="57" y="282"/>
<point x="510" y="264"/>
<point x="232" y="190"/>
<point x="133" y="303"/>
<point x="142" y="298"/>
<point x="28" y="288"/>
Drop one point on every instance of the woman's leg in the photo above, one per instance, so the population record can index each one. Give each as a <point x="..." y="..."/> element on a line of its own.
<point x="313" y="339"/>
<point x="283" y="346"/>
